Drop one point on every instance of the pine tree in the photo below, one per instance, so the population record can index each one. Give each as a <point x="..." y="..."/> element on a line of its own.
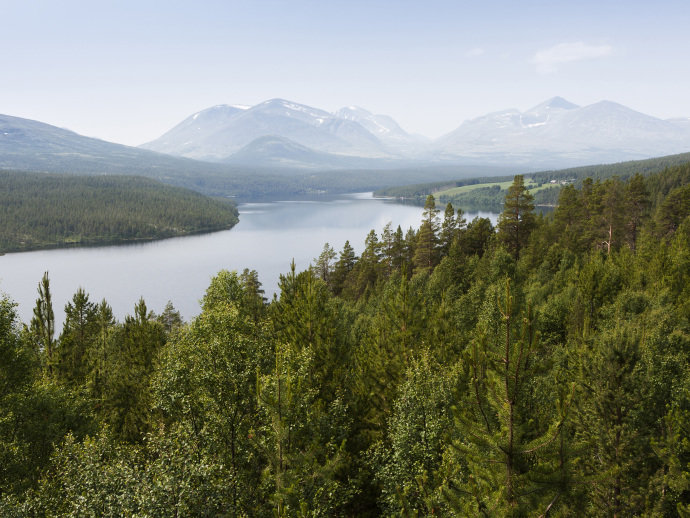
<point x="607" y="416"/>
<point x="130" y="361"/>
<point x="78" y="334"/>
<point x="323" y="265"/>
<point x="398" y="251"/>
<point x="369" y="266"/>
<point x="43" y="325"/>
<point x="517" y="220"/>
<point x="568" y="217"/>
<point x="449" y="230"/>
<point x="508" y="461"/>
<point x="636" y="204"/>
<point x="170" y="318"/>
<point x="345" y="264"/>
<point x="476" y="238"/>
<point x="426" y="254"/>
<point x="612" y="214"/>
<point x="253" y="300"/>
<point x="99" y="356"/>
<point x="388" y="249"/>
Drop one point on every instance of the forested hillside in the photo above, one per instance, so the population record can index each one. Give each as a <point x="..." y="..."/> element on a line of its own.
<point x="488" y="194"/>
<point x="41" y="211"/>
<point x="541" y="368"/>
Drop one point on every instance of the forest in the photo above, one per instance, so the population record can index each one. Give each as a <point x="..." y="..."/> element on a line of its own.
<point x="50" y="210"/>
<point x="489" y="197"/>
<point x="539" y="368"/>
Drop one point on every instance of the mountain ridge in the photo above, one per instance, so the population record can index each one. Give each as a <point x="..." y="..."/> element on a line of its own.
<point x="553" y="133"/>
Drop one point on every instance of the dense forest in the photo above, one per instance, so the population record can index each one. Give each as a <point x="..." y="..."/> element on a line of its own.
<point x="491" y="196"/>
<point x="43" y="211"/>
<point x="540" y="368"/>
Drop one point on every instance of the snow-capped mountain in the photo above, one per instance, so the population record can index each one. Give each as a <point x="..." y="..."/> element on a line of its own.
<point x="386" y="129"/>
<point x="559" y="131"/>
<point x="216" y="133"/>
<point x="552" y="134"/>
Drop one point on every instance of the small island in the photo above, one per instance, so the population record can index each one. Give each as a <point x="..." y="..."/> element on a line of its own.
<point x="40" y="211"/>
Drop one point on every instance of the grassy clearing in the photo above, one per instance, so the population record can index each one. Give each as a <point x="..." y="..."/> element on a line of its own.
<point x="529" y="183"/>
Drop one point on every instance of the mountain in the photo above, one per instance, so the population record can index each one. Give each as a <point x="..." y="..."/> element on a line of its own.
<point x="559" y="133"/>
<point x="555" y="133"/>
<point x="273" y="151"/>
<point x="30" y="145"/>
<point x="243" y="141"/>
<point x="216" y="133"/>
<point x="386" y="130"/>
<point x="27" y="145"/>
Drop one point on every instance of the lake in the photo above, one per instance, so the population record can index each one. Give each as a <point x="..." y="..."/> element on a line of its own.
<point x="268" y="236"/>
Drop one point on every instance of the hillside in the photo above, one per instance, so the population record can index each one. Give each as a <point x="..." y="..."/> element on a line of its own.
<point x="489" y="191"/>
<point x="48" y="211"/>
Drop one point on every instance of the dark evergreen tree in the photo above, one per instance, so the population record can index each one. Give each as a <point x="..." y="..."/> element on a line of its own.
<point x="509" y="469"/>
<point x="517" y="219"/>
<point x="388" y="252"/>
<point x="43" y="325"/>
<point x="99" y="356"/>
<point x="477" y="237"/>
<point x="345" y="264"/>
<point x="253" y="300"/>
<point x="77" y="339"/>
<point x="129" y="362"/>
<point x="449" y="230"/>
<point x="636" y="204"/>
<point x="368" y="268"/>
<point x="426" y="254"/>
<point x="398" y="251"/>
<point x="170" y="318"/>
<point x="612" y="214"/>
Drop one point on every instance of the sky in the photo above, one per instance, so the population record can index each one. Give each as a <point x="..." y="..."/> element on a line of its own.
<point x="128" y="71"/>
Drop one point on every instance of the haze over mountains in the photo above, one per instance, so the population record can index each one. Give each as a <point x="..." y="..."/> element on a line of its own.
<point x="279" y="135"/>
<point x="552" y="134"/>
<point x="35" y="146"/>
<point x="215" y="134"/>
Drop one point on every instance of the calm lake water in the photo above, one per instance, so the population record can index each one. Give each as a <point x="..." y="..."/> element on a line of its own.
<point x="268" y="236"/>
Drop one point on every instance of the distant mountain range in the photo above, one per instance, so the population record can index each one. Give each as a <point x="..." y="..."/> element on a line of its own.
<point x="28" y="145"/>
<point x="234" y="142"/>
<point x="286" y="134"/>
<point x="556" y="133"/>
<point x="560" y="131"/>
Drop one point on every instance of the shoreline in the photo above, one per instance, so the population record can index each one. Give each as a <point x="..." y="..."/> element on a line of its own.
<point x="95" y="243"/>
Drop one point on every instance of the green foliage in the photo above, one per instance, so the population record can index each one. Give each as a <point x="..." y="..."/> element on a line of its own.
<point x="508" y="455"/>
<point x="43" y="325"/>
<point x="100" y="478"/>
<point x="538" y="374"/>
<point x="427" y="248"/>
<point x="40" y="211"/>
<point x="517" y="220"/>
<point x="128" y="365"/>
<point x="76" y="340"/>
<point x="408" y="464"/>
<point x="206" y="380"/>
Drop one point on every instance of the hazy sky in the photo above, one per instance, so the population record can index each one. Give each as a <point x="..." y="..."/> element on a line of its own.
<point x="127" y="71"/>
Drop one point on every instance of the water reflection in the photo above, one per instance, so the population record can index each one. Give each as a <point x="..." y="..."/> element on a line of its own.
<point x="268" y="237"/>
